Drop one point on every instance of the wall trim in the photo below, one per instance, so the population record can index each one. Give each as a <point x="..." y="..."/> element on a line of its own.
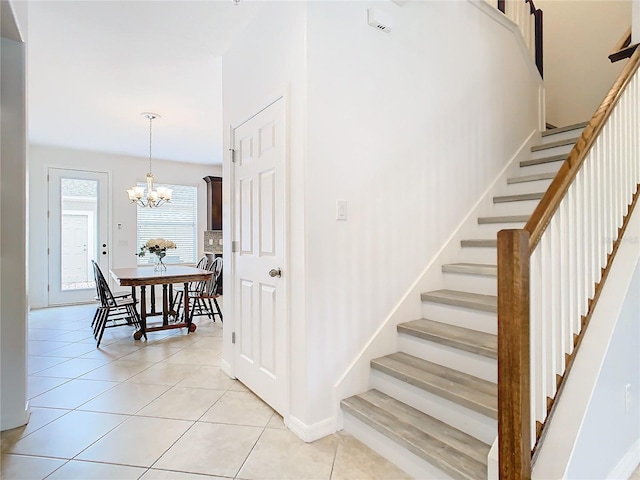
<point x="627" y="463"/>
<point x="227" y="368"/>
<point x="311" y="433"/>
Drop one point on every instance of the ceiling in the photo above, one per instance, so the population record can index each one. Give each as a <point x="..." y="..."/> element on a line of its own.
<point x="95" y="66"/>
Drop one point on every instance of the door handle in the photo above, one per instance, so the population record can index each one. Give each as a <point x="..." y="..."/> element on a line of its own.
<point x="275" y="272"/>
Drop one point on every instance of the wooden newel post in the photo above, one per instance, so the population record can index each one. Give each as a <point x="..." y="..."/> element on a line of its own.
<point x="514" y="425"/>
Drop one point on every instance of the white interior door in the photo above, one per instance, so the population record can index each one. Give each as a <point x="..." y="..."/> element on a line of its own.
<point x="78" y="233"/>
<point x="259" y="293"/>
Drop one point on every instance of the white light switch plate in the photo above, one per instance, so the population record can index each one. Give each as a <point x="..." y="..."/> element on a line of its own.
<point x="341" y="209"/>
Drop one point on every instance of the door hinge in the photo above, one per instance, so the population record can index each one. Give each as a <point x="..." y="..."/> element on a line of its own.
<point x="48" y="288"/>
<point x="48" y="252"/>
<point x="233" y="337"/>
<point x="233" y="155"/>
<point x="235" y="246"/>
<point x="48" y="214"/>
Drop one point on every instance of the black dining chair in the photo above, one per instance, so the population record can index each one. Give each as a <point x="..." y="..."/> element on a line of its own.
<point x="204" y="298"/>
<point x="113" y="311"/>
<point x="176" y="304"/>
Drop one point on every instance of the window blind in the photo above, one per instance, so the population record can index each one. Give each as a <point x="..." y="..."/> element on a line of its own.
<point x="175" y="221"/>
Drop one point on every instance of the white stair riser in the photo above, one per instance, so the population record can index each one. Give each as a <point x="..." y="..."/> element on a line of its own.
<point x="540" y="168"/>
<point x="392" y="451"/>
<point x="561" y="136"/>
<point x="487" y="256"/>
<point x="461" y="317"/>
<point x="466" y="420"/>
<point x="547" y="152"/>
<point x="490" y="230"/>
<point x="524" y="187"/>
<point x="466" y="282"/>
<point x="461" y="360"/>
<point x="523" y="207"/>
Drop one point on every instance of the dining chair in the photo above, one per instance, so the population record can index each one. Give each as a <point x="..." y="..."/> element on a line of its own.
<point x="203" y="299"/>
<point x="113" y="311"/>
<point x="176" y="304"/>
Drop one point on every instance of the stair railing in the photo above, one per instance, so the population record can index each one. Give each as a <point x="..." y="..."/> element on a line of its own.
<point x="529" y="19"/>
<point x="550" y="274"/>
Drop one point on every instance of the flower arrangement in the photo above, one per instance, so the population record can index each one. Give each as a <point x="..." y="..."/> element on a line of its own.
<point x="157" y="246"/>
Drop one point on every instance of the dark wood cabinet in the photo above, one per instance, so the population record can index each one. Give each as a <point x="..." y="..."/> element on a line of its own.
<point x="214" y="202"/>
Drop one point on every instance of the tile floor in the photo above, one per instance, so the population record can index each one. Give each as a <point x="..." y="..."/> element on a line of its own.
<point x="160" y="409"/>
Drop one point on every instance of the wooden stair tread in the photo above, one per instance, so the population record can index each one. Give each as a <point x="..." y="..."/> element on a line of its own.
<point x="504" y="219"/>
<point x="476" y="301"/>
<point x="518" y="198"/>
<point x="531" y="178"/>
<point x="480" y="242"/>
<point x="461" y="388"/>
<point x="471" y="268"/>
<point x="452" y="451"/>
<point x="559" y="143"/>
<point x="567" y="128"/>
<point x="539" y="161"/>
<point x="472" y="341"/>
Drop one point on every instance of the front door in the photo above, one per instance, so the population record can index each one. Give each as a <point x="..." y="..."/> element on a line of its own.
<point x="261" y="352"/>
<point x="78" y="233"/>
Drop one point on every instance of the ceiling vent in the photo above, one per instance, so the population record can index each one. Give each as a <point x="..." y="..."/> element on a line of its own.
<point x="379" y="19"/>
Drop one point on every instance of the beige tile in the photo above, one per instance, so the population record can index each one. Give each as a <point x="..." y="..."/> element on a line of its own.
<point x="39" y="334"/>
<point x="139" y="441"/>
<point x="39" y="347"/>
<point x="18" y="467"/>
<point x="636" y="474"/>
<point x="238" y="386"/>
<point x="155" y="474"/>
<point x="125" y="398"/>
<point x="71" y="394"/>
<point x="76" y="470"/>
<point x="77" y="336"/>
<point x="37" y="363"/>
<point x="111" y="352"/>
<point x="71" y="350"/>
<point x="276" y="421"/>
<point x="182" y="403"/>
<point x="117" y="371"/>
<point x="239" y="408"/>
<point x="280" y="455"/>
<point x="196" y="356"/>
<point x="162" y="374"/>
<point x="68" y="435"/>
<point x="39" y="385"/>
<point x="71" y="368"/>
<point x="206" y="377"/>
<point x="39" y="418"/>
<point x="151" y="354"/>
<point x="211" y="449"/>
<point x="354" y="460"/>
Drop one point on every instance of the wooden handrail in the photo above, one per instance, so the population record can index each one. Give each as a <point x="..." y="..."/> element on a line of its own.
<point x="550" y="202"/>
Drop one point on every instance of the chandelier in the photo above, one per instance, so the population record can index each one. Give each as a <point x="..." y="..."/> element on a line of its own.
<point x="156" y="197"/>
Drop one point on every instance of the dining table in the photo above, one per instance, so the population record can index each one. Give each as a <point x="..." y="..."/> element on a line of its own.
<point x="144" y="276"/>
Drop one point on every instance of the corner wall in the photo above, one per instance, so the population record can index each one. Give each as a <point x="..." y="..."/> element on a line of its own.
<point x="123" y="172"/>
<point x="14" y="408"/>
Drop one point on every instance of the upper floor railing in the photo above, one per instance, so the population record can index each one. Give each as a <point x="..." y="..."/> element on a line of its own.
<point x="529" y="19"/>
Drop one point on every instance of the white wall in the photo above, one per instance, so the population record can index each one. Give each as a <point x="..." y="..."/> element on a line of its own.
<point x="123" y="172"/>
<point x="606" y="417"/>
<point x="408" y="127"/>
<point x="14" y="408"/>
<point x="578" y="38"/>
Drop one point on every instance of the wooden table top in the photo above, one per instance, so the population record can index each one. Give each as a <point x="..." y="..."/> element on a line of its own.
<point x="133" y="277"/>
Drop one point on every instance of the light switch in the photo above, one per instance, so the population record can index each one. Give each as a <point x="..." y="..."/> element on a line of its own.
<point x="341" y="209"/>
<point x="211" y="241"/>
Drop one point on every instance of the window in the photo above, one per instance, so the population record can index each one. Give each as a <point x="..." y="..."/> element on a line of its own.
<point x="175" y="221"/>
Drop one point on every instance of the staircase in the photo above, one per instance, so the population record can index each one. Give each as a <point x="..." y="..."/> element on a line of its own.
<point x="432" y="408"/>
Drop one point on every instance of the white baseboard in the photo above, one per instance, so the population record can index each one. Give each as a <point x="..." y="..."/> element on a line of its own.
<point x="627" y="464"/>
<point x="17" y="420"/>
<point x="226" y="368"/>
<point x="311" y="433"/>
